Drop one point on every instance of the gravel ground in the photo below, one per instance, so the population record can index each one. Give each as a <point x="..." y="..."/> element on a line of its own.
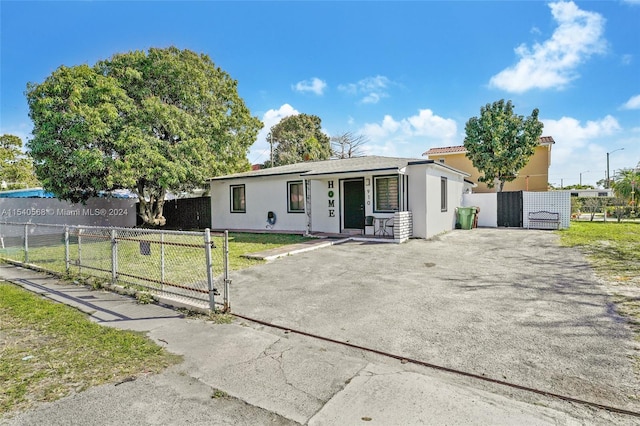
<point x="508" y="304"/>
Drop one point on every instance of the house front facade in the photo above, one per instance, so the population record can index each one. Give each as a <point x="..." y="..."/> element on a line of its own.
<point x="533" y="177"/>
<point x="394" y="198"/>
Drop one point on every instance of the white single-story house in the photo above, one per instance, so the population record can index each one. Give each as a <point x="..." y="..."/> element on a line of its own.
<point x="395" y="198"/>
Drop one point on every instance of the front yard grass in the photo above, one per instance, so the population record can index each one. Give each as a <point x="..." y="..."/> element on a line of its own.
<point x="612" y="248"/>
<point x="183" y="258"/>
<point x="49" y="350"/>
<point x="245" y="243"/>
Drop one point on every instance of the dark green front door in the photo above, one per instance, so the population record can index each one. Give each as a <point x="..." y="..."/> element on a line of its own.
<point x="353" y="204"/>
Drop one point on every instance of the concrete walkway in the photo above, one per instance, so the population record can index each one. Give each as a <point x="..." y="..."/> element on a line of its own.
<point x="292" y="249"/>
<point x="318" y="243"/>
<point x="270" y="377"/>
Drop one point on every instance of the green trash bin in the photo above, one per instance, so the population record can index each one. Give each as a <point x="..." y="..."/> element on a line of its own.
<point x="465" y="217"/>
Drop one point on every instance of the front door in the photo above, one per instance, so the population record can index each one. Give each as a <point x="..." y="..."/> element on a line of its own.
<point x="353" y="204"/>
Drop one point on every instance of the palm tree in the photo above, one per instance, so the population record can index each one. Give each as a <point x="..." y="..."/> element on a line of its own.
<point x="627" y="185"/>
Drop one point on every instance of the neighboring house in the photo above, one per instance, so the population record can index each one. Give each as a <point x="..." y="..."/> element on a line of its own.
<point x="418" y="198"/>
<point x="533" y="177"/>
<point x="35" y="205"/>
<point x="588" y="192"/>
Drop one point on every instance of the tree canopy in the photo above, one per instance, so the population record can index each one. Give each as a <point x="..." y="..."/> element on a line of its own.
<point x="299" y="138"/>
<point x="16" y="167"/>
<point x="499" y="143"/>
<point x="152" y="122"/>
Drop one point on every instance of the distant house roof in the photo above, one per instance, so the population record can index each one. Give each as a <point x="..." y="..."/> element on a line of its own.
<point x="327" y="167"/>
<point x="26" y="193"/>
<point x="460" y="149"/>
<point x="41" y="193"/>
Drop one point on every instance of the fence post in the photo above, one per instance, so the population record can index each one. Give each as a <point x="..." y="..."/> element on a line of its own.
<point x="79" y="250"/>
<point x="207" y="252"/>
<point x="66" y="249"/>
<point x="114" y="257"/>
<point x="162" y="265"/>
<point x="227" y="304"/>
<point x="26" y="243"/>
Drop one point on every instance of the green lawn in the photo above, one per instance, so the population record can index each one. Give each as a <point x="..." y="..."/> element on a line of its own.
<point x="613" y="248"/>
<point x="48" y="350"/>
<point x="245" y="243"/>
<point x="184" y="258"/>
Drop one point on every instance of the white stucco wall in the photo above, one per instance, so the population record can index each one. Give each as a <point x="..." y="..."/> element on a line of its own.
<point x="424" y="199"/>
<point x="488" y="204"/>
<point x="418" y="199"/>
<point x="325" y="210"/>
<point x="439" y="221"/>
<point x="262" y="195"/>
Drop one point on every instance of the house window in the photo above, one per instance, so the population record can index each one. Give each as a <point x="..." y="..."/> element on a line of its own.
<point x="296" y="197"/>
<point x="386" y="193"/>
<point x="443" y="194"/>
<point x="238" y="199"/>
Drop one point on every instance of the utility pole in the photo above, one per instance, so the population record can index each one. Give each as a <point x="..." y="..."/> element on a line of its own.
<point x="608" y="184"/>
<point x="586" y="171"/>
<point x="270" y="136"/>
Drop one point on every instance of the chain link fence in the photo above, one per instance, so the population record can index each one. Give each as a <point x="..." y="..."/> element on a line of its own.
<point x="176" y="267"/>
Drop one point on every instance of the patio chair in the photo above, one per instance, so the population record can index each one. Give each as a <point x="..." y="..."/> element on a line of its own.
<point x="388" y="227"/>
<point x="369" y="221"/>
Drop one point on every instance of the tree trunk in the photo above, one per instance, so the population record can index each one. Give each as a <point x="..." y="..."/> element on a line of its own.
<point x="151" y="206"/>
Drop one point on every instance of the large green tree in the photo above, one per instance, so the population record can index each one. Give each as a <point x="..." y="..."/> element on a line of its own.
<point x="16" y="166"/>
<point x="299" y="138"/>
<point x="151" y="122"/>
<point x="499" y="142"/>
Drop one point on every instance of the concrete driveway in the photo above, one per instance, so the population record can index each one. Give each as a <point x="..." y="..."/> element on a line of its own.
<point x="508" y="304"/>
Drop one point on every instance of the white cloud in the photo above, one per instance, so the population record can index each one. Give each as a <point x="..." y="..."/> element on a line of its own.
<point x="627" y="59"/>
<point x="632" y="1"/>
<point x="315" y="85"/>
<point x="411" y="136"/>
<point x="579" y="148"/>
<point x="553" y="63"/>
<point x="260" y="150"/>
<point x="632" y="103"/>
<point x="372" y="89"/>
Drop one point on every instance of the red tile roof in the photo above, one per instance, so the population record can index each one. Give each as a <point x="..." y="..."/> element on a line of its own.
<point x="461" y="149"/>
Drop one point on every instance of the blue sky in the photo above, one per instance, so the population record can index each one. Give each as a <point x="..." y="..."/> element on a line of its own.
<point x="407" y="75"/>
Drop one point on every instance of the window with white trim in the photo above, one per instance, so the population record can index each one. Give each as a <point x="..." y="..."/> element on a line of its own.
<point x="295" y="193"/>
<point x="238" y="202"/>
<point x="443" y="194"/>
<point x="386" y="193"/>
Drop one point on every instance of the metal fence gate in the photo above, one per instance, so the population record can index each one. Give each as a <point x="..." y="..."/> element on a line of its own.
<point x="176" y="267"/>
<point x="510" y="209"/>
